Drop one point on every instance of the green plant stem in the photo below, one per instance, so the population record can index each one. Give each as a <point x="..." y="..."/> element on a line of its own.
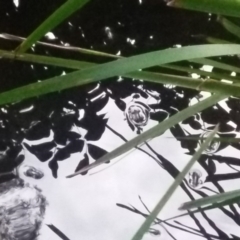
<point x="63" y="12"/>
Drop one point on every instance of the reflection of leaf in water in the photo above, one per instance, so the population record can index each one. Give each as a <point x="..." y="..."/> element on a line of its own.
<point x="58" y="232"/>
<point x="84" y="162"/>
<point x="38" y="131"/>
<point x="95" y="151"/>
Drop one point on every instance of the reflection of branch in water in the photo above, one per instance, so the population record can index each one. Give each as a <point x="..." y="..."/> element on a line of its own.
<point x="140" y="149"/>
<point x="58" y="232"/>
<point x="158" y="222"/>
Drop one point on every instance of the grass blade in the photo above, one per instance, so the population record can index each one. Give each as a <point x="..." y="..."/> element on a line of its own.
<point x="213" y="206"/>
<point x="123" y="66"/>
<point x="67" y="48"/>
<point x="59" y="62"/>
<point x="220" y="139"/>
<point x="63" y="12"/>
<point x="216" y="64"/>
<point x="211" y="200"/>
<point x="153" y="132"/>
<point x="200" y="72"/>
<point x="153" y="215"/>
<point x="222" y="7"/>
<point x="230" y="26"/>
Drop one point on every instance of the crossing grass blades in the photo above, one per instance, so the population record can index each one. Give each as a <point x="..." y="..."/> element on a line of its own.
<point x="89" y="72"/>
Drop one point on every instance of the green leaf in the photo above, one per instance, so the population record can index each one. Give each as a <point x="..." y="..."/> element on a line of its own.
<point x="153" y="132"/>
<point x="63" y="12"/>
<point x="216" y="40"/>
<point x="216" y="64"/>
<point x="222" y="7"/>
<point x="211" y="200"/>
<point x="66" y="48"/>
<point x="200" y="72"/>
<point x="126" y="65"/>
<point x="212" y="206"/>
<point x="230" y="26"/>
<point x="59" y="62"/>
<point x="220" y="139"/>
<point x="153" y="215"/>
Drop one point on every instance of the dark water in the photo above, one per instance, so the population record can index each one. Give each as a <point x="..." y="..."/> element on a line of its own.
<point x="127" y="27"/>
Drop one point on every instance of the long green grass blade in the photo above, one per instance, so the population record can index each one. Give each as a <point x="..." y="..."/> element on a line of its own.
<point x="210" y="207"/>
<point x="63" y="12"/>
<point x="126" y="65"/>
<point x="60" y="47"/>
<point x="208" y="85"/>
<point x="199" y="84"/>
<point x="211" y="200"/>
<point x="153" y="132"/>
<point x="222" y="7"/>
<point x="220" y="139"/>
<point x="200" y="72"/>
<point x="230" y="26"/>
<point x="45" y="60"/>
<point x="216" y="64"/>
<point x="216" y="40"/>
<point x="153" y="215"/>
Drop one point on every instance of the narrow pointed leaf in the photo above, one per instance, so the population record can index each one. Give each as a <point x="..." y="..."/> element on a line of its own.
<point x="123" y="66"/>
<point x="153" y="215"/>
<point x="210" y="200"/>
<point x="216" y="64"/>
<point x="230" y="26"/>
<point x="200" y="72"/>
<point x="66" y="48"/>
<point x="155" y="131"/>
<point x="220" y="139"/>
<point x="63" y="12"/>
<point x="202" y="209"/>
<point x="222" y="7"/>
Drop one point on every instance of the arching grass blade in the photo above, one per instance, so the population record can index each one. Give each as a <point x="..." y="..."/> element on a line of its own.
<point x="211" y="200"/>
<point x="222" y="7"/>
